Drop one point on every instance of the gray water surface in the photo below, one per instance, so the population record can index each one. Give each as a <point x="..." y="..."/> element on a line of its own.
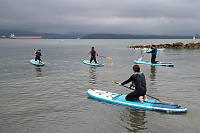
<point x="53" y="99"/>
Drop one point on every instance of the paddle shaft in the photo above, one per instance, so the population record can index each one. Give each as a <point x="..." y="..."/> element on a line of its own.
<point x="143" y="54"/>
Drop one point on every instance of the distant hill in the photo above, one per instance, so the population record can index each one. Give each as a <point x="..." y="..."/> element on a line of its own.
<point x="44" y="35"/>
<point x="126" y="36"/>
<point x="90" y="36"/>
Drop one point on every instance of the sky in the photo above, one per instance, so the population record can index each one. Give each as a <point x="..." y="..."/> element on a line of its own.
<point x="160" y="17"/>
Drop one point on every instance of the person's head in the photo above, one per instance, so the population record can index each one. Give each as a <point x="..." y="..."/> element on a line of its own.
<point x="136" y="68"/>
<point x="92" y="48"/>
<point x="153" y="46"/>
<point x="39" y="49"/>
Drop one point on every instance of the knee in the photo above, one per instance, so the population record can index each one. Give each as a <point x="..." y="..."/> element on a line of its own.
<point x="128" y="98"/>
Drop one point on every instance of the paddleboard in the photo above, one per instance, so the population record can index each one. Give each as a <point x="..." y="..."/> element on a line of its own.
<point x="153" y="105"/>
<point x="92" y="64"/>
<point x="154" y="64"/>
<point x="160" y="49"/>
<point x="36" y="63"/>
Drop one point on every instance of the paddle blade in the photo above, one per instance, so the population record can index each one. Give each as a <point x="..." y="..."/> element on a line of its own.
<point x="109" y="58"/>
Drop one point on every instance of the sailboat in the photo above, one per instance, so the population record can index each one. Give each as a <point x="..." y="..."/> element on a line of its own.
<point x="194" y="38"/>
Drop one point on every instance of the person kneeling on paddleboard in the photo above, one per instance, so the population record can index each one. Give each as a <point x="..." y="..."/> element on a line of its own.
<point x="37" y="54"/>
<point x="93" y="55"/>
<point x="153" y="54"/>
<point x="140" y="86"/>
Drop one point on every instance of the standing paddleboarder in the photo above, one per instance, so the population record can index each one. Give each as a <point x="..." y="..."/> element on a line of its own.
<point x="93" y="55"/>
<point x="37" y="54"/>
<point x="153" y="54"/>
<point x="139" y="80"/>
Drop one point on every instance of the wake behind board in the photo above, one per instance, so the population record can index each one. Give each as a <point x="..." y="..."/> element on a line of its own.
<point x="87" y="62"/>
<point x="36" y="63"/>
<point x="150" y="105"/>
<point x="154" y="64"/>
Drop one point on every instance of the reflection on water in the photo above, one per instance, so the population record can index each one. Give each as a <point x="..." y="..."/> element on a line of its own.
<point x="153" y="76"/>
<point x="110" y="66"/>
<point x="134" y="119"/>
<point x="153" y="73"/>
<point x="92" y="79"/>
<point x="38" y="71"/>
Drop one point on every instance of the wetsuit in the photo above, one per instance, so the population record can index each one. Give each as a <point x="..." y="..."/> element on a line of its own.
<point x="140" y="86"/>
<point x="93" y="56"/>
<point x="153" y="55"/>
<point x="37" y="57"/>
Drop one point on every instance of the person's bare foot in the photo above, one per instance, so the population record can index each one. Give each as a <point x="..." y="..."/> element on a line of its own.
<point x="145" y="98"/>
<point x="141" y="99"/>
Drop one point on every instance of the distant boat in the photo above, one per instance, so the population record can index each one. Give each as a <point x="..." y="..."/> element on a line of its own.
<point x="3" y="36"/>
<point x="12" y="36"/>
<point x="194" y="38"/>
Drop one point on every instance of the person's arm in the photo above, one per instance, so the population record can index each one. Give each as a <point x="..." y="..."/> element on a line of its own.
<point x="97" y="54"/>
<point x="150" y="51"/>
<point x="35" y="51"/>
<point x="131" y="85"/>
<point x="127" y="81"/>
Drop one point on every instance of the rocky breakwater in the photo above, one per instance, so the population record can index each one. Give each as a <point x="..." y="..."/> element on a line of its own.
<point x="177" y="45"/>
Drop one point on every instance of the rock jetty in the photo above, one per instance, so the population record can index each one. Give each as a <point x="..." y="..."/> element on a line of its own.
<point x="177" y="45"/>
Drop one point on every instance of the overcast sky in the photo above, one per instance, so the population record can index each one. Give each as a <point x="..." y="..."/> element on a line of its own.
<point x="174" y="17"/>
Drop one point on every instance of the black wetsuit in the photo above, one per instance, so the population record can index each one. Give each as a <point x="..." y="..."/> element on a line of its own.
<point x="153" y="55"/>
<point x="37" y="57"/>
<point x="140" y="86"/>
<point x="93" y="56"/>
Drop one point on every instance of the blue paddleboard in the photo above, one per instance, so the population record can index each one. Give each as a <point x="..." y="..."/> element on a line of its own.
<point x="92" y="64"/>
<point x="160" y="49"/>
<point x="154" y="64"/>
<point x="36" y="63"/>
<point x="150" y="105"/>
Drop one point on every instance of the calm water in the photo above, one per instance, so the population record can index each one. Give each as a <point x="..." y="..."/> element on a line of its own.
<point x="52" y="99"/>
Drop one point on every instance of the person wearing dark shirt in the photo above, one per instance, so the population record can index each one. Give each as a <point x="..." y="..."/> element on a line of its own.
<point x="37" y="54"/>
<point x="93" y="55"/>
<point x="153" y="54"/>
<point x="139" y="80"/>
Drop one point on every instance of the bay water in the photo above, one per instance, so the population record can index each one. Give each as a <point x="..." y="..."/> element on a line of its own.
<point x="53" y="99"/>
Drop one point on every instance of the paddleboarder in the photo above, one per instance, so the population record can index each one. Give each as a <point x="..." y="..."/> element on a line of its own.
<point x="93" y="55"/>
<point x="37" y="54"/>
<point x="153" y="54"/>
<point x="139" y="80"/>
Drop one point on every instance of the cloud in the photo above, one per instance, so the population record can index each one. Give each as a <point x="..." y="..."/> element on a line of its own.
<point x="96" y="16"/>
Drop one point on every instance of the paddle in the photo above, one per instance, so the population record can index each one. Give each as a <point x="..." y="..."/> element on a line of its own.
<point x="109" y="58"/>
<point x="146" y="94"/>
<point x="145" y="51"/>
<point x="140" y="59"/>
